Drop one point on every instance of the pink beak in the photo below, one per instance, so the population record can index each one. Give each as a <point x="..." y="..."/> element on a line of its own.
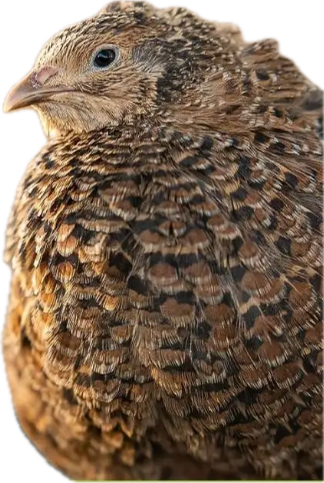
<point x="33" y="89"/>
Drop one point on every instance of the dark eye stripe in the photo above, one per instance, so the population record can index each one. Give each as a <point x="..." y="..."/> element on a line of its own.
<point x="104" y="58"/>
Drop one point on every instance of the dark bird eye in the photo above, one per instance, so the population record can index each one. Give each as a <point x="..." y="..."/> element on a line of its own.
<point x="104" y="58"/>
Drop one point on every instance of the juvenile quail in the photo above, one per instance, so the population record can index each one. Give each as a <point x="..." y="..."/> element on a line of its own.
<point x="165" y="310"/>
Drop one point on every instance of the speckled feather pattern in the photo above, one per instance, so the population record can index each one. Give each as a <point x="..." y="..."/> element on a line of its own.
<point x="165" y="310"/>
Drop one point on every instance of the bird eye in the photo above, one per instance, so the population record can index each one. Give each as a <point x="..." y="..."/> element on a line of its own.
<point x="104" y="58"/>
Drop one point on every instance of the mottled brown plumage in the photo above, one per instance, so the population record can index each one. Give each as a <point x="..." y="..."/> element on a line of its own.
<point x="165" y="309"/>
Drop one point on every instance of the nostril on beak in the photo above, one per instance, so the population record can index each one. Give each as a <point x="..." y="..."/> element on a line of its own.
<point x="41" y="76"/>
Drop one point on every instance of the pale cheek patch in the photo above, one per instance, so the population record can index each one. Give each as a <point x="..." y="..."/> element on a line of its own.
<point x="44" y="122"/>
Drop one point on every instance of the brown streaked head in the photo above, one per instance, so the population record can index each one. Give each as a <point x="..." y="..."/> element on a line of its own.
<point x="127" y="65"/>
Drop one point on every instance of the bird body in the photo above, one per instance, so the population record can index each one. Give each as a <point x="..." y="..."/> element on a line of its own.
<point x="165" y="309"/>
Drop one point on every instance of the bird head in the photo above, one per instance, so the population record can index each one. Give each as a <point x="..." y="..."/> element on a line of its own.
<point x="128" y="65"/>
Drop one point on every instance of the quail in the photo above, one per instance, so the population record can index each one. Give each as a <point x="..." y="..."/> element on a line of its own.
<point x="164" y="319"/>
